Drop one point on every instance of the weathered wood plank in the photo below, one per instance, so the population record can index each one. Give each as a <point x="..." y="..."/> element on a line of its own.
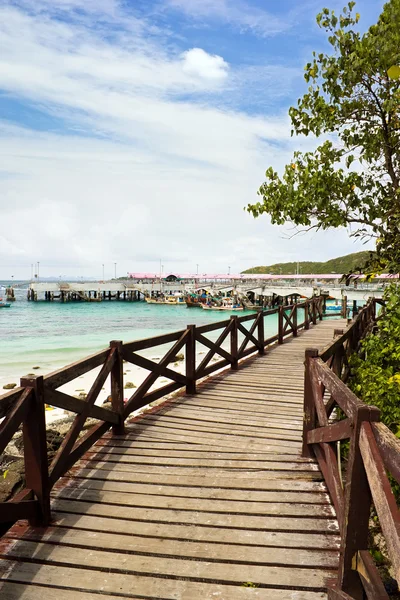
<point x="133" y="544"/>
<point x="170" y="515"/>
<point x="212" y="572"/>
<point x="252" y="508"/>
<point x="88" y="580"/>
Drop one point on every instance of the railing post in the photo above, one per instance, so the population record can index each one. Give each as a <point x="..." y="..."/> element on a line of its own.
<point x="306" y="315"/>
<point x="234" y="342"/>
<point x="117" y="387"/>
<point x="35" y="449"/>
<point x="280" y="325"/>
<point x="309" y="415"/>
<point x="356" y="510"/>
<point x="261" y="350"/>
<point x="321" y="307"/>
<point x="191" y="360"/>
<point x="295" y="321"/>
<point x="314" y="310"/>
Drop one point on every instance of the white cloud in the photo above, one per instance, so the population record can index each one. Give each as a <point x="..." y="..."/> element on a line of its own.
<point x="199" y="63"/>
<point x="240" y="14"/>
<point x="141" y="173"/>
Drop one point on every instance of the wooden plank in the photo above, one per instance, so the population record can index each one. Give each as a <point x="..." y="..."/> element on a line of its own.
<point x="177" y="433"/>
<point x="60" y="462"/>
<point x="347" y="401"/>
<point x="207" y="571"/>
<point x="8" y="399"/>
<point x="14" y="418"/>
<point x="212" y="326"/>
<point x="328" y="465"/>
<point x="13" y="511"/>
<point x="19" y="591"/>
<point x="208" y="482"/>
<point x="383" y="497"/>
<point x="124" y="458"/>
<point x="153" y="342"/>
<point x="134" y="544"/>
<point x="88" y="580"/>
<point x="370" y="577"/>
<point x="203" y="455"/>
<point x="225" y="415"/>
<point x="197" y="471"/>
<point x="144" y="387"/>
<point x="156" y="489"/>
<point x="342" y="430"/>
<point x="200" y="533"/>
<point x="61" y="376"/>
<point x="196" y="504"/>
<point x="232" y="442"/>
<point x="389" y="446"/>
<point x="269" y="522"/>
<point x="61" y="400"/>
<point x="287" y="432"/>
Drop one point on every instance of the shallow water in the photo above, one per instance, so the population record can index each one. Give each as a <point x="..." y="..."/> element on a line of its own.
<point x="51" y="335"/>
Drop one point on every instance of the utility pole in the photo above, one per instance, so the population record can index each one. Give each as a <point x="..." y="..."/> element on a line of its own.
<point x="229" y="270"/>
<point x="115" y="270"/>
<point x="103" y="271"/>
<point x="38" y="270"/>
<point x="197" y="272"/>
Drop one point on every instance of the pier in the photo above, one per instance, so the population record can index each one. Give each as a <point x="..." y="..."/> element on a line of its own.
<point x="229" y="489"/>
<point x="262" y="290"/>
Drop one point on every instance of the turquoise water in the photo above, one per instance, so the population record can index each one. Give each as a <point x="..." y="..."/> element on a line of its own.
<point x="51" y="335"/>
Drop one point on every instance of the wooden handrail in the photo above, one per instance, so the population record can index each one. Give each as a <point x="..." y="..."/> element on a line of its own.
<point x="373" y="450"/>
<point x="25" y="405"/>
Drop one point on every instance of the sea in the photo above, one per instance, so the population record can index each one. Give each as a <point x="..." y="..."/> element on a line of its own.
<point x="51" y="335"/>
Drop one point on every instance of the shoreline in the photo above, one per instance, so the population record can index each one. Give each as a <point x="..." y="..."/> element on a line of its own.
<point x="132" y="374"/>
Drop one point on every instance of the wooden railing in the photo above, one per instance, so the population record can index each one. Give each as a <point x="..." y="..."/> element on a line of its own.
<point x="26" y="405"/>
<point x="373" y="452"/>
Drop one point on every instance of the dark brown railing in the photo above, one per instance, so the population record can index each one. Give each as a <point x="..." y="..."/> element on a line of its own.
<point x="374" y="451"/>
<point x="26" y="405"/>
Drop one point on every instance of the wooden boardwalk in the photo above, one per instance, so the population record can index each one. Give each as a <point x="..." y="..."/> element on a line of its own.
<point x="206" y="498"/>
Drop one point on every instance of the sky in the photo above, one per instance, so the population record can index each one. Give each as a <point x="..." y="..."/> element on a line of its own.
<point x="136" y="131"/>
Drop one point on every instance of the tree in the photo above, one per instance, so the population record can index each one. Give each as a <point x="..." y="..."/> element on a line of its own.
<point x="352" y="179"/>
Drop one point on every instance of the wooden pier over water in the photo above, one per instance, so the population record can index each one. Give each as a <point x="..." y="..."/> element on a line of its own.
<point x="210" y="495"/>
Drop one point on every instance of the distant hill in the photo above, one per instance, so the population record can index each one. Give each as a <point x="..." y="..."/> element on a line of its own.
<point x="340" y="265"/>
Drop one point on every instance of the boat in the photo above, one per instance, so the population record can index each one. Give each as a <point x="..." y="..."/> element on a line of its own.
<point x="177" y="300"/>
<point x="230" y="306"/>
<point x="3" y="304"/>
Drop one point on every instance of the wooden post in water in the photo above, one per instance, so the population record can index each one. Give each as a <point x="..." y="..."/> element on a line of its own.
<point x="35" y="449"/>
<point x="190" y="356"/>
<point x="117" y="387"/>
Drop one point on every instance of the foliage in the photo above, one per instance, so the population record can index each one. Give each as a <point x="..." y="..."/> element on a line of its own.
<point x="352" y="179"/>
<point x="376" y="380"/>
<point x="340" y="265"/>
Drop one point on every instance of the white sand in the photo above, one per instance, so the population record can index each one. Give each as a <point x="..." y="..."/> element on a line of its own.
<point x="132" y="374"/>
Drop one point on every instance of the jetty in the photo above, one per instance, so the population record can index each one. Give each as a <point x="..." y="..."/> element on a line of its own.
<point x="263" y="290"/>
<point x="231" y="488"/>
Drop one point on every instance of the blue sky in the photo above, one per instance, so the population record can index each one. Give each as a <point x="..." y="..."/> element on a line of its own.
<point x="136" y="130"/>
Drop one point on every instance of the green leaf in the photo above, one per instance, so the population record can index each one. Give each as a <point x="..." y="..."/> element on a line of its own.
<point x="394" y="72"/>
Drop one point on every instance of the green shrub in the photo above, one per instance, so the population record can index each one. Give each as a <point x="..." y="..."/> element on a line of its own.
<point x="375" y="373"/>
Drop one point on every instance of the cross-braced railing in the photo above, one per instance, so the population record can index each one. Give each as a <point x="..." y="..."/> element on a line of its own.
<point x="374" y="452"/>
<point x="237" y="339"/>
